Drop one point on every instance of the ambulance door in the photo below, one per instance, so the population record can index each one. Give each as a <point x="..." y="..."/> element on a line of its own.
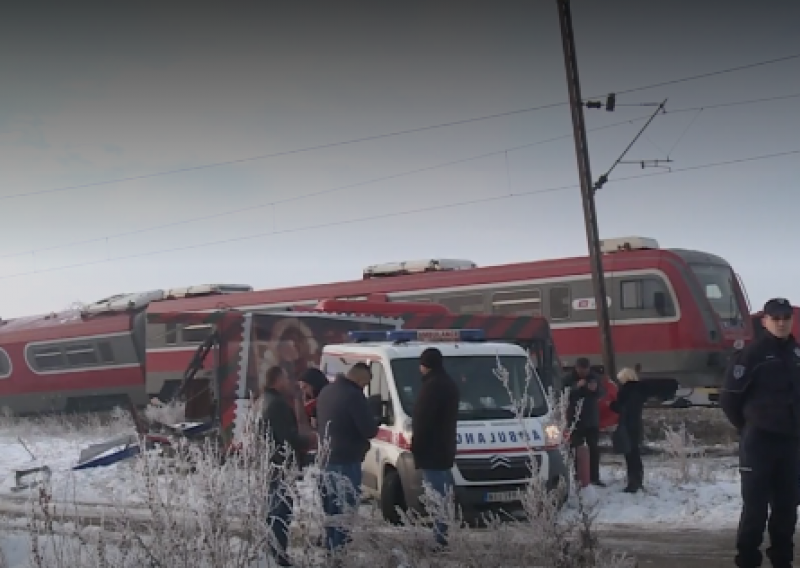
<point x="380" y="401"/>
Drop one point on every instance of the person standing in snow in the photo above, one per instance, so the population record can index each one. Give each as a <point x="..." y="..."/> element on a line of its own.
<point x="761" y="399"/>
<point x="586" y="386"/>
<point x="627" y="439"/>
<point x="288" y="445"/>
<point x="434" y="424"/>
<point x="345" y="421"/>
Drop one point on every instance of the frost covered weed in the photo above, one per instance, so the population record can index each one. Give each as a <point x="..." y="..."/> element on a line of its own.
<point x="173" y="413"/>
<point x="685" y="456"/>
<point x="113" y="423"/>
<point x="204" y="508"/>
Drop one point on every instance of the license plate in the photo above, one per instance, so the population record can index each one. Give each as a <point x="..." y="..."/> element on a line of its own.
<point x="502" y="497"/>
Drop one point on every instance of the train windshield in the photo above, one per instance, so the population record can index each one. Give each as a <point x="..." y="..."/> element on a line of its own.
<point x="719" y="284"/>
<point x="483" y="394"/>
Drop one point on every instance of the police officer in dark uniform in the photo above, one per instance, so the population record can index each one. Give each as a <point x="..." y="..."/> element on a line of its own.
<point x="761" y="398"/>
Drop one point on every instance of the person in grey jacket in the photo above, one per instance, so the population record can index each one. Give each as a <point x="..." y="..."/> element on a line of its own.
<point x="345" y="423"/>
<point x="586" y="386"/>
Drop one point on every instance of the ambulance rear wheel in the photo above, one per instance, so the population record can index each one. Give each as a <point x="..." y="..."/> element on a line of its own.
<point x="392" y="497"/>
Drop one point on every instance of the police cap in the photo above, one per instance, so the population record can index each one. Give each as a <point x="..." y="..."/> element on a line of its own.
<point x="778" y="308"/>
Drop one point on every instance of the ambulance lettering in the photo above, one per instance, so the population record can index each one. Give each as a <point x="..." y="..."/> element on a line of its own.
<point x="512" y="436"/>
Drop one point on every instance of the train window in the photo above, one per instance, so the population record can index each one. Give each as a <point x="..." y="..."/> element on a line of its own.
<point x="106" y="352"/>
<point x="81" y="355"/>
<point x="640" y="294"/>
<point x="49" y="358"/>
<point x="518" y="303"/>
<point x="560" y="298"/>
<point x="5" y="365"/>
<point x="195" y="333"/>
<point x="632" y="295"/>
<point x="463" y="304"/>
<point x="171" y="334"/>
<point x="419" y="300"/>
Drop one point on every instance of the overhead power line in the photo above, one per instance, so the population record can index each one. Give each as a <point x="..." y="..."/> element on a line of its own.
<point x="395" y="214"/>
<point x="735" y="69"/>
<point x="327" y="191"/>
<point x="279" y="154"/>
<point x="376" y="136"/>
<point x="319" y="193"/>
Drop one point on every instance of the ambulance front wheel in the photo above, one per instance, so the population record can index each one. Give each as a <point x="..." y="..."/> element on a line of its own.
<point x="392" y="497"/>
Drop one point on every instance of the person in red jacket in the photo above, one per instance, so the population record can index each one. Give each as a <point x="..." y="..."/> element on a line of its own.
<point x="312" y="382"/>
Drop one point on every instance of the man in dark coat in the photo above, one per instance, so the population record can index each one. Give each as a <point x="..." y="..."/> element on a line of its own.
<point x="586" y="386"/>
<point x="761" y="399"/>
<point x="280" y="423"/>
<point x="434" y="429"/>
<point x="346" y="423"/>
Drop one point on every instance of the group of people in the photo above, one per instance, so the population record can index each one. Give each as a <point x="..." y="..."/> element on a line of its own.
<point x="586" y="389"/>
<point x="344" y="422"/>
<point x="760" y="397"/>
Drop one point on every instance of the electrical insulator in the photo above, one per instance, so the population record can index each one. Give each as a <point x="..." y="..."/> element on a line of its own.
<point x="611" y="102"/>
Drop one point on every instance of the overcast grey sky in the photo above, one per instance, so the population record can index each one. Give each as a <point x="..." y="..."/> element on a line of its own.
<point x="117" y="92"/>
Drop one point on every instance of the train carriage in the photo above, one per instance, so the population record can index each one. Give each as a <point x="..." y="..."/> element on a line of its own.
<point x="676" y="314"/>
<point x="68" y="362"/>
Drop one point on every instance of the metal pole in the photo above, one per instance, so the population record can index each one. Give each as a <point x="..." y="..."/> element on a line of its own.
<point x="587" y="189"/>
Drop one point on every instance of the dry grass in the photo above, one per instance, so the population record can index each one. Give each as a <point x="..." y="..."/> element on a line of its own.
<point x="707" y="426"/>
<point x="688" y="458"/>
<point x="114" y="423"/>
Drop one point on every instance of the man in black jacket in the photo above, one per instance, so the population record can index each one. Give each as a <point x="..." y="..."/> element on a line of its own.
<point x="346" y="424"/>
<point x="761" y="399"/>
<point x="585" y="385"/>
<point x="434" y="429"/>
<point x="280" y="423"/>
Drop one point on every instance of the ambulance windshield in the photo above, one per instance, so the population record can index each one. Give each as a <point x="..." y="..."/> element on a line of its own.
<point x="483" y="395"/>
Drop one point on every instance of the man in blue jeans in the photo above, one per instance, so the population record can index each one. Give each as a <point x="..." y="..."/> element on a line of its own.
<point x="434" y="426"/>
<point x="346" y="424"/>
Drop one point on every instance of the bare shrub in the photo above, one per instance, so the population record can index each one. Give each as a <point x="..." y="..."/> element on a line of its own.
<point x="172" y="413"/>
<point x="206" y="508"/>
<point x="686" y="456"/>
<point x="94" y="424"/>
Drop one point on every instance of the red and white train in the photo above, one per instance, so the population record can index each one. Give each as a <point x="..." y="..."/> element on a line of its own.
<point x="675" y="313"/>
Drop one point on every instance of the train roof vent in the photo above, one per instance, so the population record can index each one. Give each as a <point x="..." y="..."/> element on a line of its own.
<point x="123" y="302"/>
<point x="205" y="290"/>
<point x="627" y="243"/>
<point x="417" y="267"/>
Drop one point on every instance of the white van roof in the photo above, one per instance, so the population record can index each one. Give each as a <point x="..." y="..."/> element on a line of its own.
<point x="414" y="349"/>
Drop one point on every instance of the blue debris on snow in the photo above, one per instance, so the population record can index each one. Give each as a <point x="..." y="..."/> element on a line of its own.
<point x="128" y="446"/>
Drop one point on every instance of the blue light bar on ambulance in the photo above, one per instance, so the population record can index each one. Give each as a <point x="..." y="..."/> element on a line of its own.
<point x="431" y="335"/>
<point x="424" y="335"/>
<point x="367" y="335"/>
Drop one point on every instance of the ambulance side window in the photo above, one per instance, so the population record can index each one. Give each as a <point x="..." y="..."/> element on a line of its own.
<point x="379" y="395"/>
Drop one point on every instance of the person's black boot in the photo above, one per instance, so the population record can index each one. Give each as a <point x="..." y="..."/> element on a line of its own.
<point x="634" y="485"/>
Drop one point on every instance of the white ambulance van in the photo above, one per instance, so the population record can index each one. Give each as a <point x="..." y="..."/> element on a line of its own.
<point x="494" y="444"/>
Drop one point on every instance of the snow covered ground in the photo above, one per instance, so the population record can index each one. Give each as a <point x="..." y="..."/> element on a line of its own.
<point x="709" y="498"/>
